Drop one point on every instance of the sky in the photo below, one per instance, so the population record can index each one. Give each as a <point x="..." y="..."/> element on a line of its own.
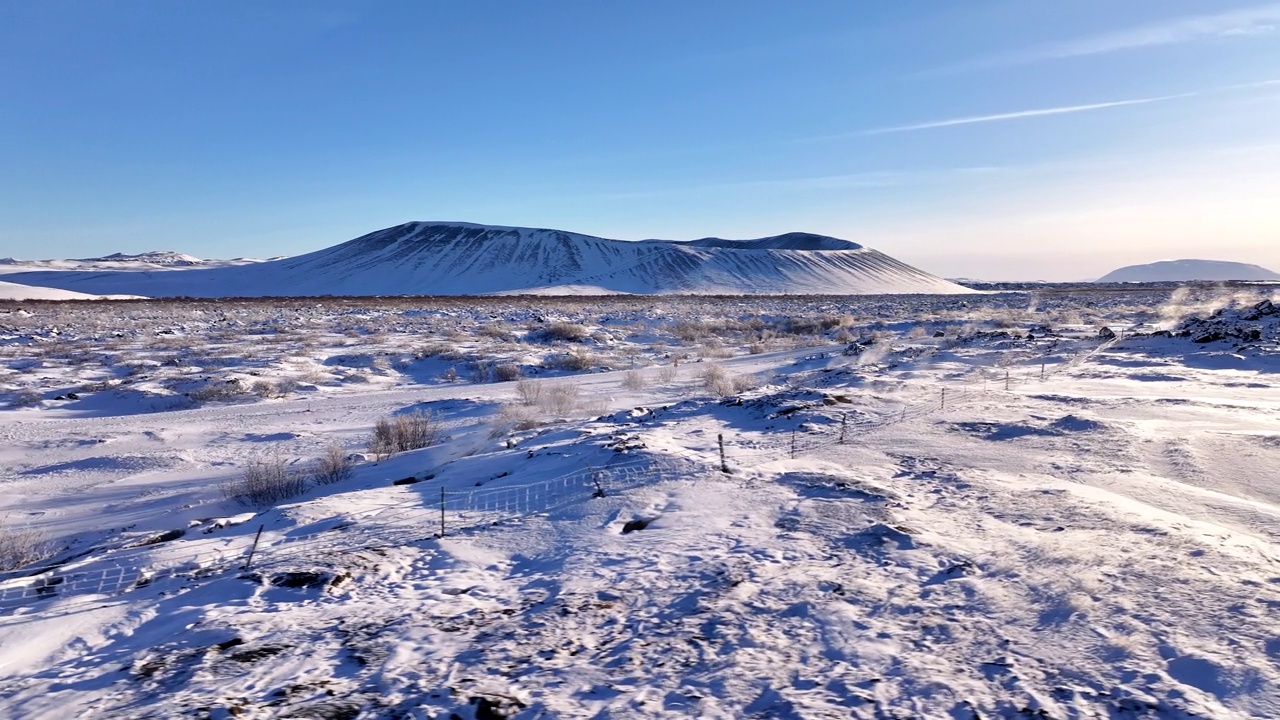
<point x="991" y="139"/>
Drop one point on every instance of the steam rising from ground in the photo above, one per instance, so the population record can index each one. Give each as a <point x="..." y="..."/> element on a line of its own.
<point x="1182" y="304"/>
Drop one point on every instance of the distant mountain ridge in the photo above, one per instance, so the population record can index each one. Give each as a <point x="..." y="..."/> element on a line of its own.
<point x="1189" y="270"/>
<point x="453" y="258"/>
<point x="155" y="257"/>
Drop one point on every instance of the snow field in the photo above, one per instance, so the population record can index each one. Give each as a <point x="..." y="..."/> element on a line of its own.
<point x="1099" y="543"/>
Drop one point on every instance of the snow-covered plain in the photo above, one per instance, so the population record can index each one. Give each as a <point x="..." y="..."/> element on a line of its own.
<point x="938" y="507"/>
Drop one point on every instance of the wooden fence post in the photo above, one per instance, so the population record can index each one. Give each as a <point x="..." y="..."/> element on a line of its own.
<point x="252" y="549"/>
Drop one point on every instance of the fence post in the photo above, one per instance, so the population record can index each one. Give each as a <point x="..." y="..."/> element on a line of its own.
<point x="442" y="511"/>
<point x="1042" y="372"/>
<point x="1006" y="380"/>
<point x="844" y="423"/>
<point x="595" y="480"/>
<point x="793" y="444"/>
<point x="252" y="549"/>
<point x="724" y="464"/>
<point x="944" y="399"/>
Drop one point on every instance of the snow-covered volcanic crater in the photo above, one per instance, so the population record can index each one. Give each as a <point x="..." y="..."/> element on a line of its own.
<point x="434" y="258"/>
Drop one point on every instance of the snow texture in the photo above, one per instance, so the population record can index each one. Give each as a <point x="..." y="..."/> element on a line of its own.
<point x="934" y="508"/>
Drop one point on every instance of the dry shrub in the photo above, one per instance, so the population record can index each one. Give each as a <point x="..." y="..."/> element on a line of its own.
<point x="480" y="373"/>
<point x="315" y="377"/>
<point x="495" y="372"/>
<point x="409" y="431"/>
<point x="560" y="399"/>
<point x="25" y="398"/>
<point x="513" y="418"/>
<point x="688" y="330"/>
<point x="635" y="380"/>
<point x="444" y="351"/>
<point x="667" y="374"/>
<point x="716" y="380"/>
<point x="334" y="466"/>
<point x="218" y="391"/>
<point x="265" y="483"/>
<point x="274" y="389"/>
<point x="506" y="372"/>
<point x="743" y="383"/>
<point x="563" y="332"/>
<point x="495" y="331"/>
<point x="577" y="361"/>
<point x="19" y="548"/>
<point x="530" y="391"/>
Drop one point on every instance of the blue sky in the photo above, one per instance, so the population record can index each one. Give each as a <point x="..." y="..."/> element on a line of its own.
<point x="984" y="138"/>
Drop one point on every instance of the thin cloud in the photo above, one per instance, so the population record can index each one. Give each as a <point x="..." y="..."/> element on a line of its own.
<point x="1039" y="112"/>
<point x="1248" y="22"/>
<point x="1000" y="117"/>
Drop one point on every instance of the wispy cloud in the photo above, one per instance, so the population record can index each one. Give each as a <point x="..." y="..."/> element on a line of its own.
<point x="1260" y="20"/>
<point x="1021" y="114"/>
<point x="999" y="117"/>
<point x="1037" y="112"/>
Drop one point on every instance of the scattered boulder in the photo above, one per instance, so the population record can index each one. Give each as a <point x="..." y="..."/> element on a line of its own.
<point x="1254" y="324"/>
<point x="164" y="537"/>
<point x="300" y="579"/>
<point x="1261" y="310"/>
<point x="495" y="707"/>
<point x="638" y="524"/>
<point x="228" y="644"/>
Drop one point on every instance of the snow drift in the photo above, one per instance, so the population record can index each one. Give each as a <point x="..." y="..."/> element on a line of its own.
<point x="431" y="258"/>
<point x="14" y="291"/>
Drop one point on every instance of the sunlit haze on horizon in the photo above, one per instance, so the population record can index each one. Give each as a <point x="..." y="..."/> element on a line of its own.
<point x="991" y="139"/>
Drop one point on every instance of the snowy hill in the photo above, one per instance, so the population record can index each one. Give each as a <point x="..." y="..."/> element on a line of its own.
<point x="422" y="258"/>
<point x="1186" y="270"/>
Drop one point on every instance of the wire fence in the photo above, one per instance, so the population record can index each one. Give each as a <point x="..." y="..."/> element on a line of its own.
<point x="440" y="512"/>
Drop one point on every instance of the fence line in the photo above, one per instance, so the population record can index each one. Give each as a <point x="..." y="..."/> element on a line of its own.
<point x="462" y="510"/>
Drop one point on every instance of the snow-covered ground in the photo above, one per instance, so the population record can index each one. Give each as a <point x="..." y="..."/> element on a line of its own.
<point x="1061" y="505"/>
